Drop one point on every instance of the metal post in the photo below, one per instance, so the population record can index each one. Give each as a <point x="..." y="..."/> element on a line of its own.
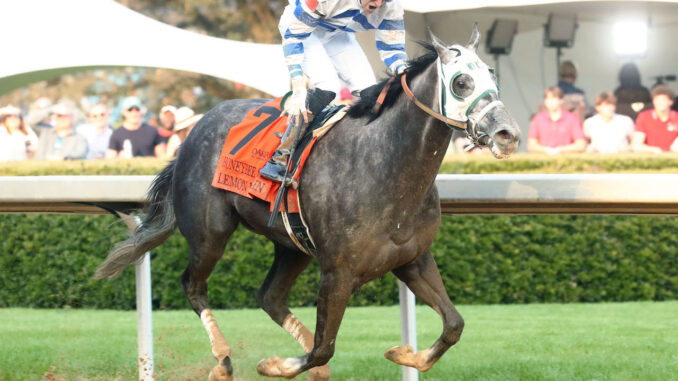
<point x="144" y="308"/>
<point x="408" y="327"/>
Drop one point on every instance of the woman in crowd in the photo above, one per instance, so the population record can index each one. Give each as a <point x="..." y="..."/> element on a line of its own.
<point x="632" y="96"/>
<point x="17" y="140"/>
<point x="184" y="122"/>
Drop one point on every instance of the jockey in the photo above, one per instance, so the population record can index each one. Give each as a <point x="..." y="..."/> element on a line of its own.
<point x="321" y="52"/>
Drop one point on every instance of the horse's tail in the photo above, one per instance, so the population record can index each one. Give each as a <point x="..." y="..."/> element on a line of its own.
<point x="158" y="225"/>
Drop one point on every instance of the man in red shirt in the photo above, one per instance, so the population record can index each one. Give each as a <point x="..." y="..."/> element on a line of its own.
<point x="657" y="129"/>
<point x="555" y="130"/>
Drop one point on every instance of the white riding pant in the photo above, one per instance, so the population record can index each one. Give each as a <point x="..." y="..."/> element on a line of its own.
<point x="335" y="59"/>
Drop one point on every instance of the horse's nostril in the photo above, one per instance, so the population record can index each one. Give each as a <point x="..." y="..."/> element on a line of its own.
<point x="503" y="136"/>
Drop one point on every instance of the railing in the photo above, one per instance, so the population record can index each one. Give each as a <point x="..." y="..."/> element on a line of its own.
<point x="655" y="194"/>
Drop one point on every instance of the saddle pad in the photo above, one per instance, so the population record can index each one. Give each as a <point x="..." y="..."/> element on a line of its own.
<point x="248" y="147"/>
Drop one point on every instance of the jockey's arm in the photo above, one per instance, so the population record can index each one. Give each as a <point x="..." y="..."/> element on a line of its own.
<point x="390" y="36"/>
<point x="295" y="27"/>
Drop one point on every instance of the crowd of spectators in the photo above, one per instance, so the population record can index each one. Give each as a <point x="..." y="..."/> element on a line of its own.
<point x="56" y="137"/>
<point x="632" y="119"/>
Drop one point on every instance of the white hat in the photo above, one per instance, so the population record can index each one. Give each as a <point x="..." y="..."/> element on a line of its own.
<point x="62" y="109"/>
<point x="185" y="117"/>
<point x="10" y="110"/>
<point x="169" y="108"/>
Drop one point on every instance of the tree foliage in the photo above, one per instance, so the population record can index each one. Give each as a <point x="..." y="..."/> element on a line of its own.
<point x="243" y="20"/>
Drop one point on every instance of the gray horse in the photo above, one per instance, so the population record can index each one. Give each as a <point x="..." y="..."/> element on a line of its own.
<point x="367" y="195"/>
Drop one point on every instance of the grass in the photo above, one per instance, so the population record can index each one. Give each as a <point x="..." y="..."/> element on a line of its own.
<point x="615" y="341"/>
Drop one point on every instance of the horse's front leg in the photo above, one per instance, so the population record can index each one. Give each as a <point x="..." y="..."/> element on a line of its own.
<point x="423" y="278"/>
<point x="273" y="296"/>
<point x="333" y="297"/>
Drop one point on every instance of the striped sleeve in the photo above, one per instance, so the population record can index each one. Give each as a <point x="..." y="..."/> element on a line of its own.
<point x="390" y="36"/>
<point x="299" y="25"/>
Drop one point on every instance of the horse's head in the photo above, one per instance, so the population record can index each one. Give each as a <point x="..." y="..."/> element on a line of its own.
<point x="469" y="93"/>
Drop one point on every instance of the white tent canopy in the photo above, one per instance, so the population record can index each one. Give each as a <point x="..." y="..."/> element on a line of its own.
<point x="578" y="6"/>
<point x="47" y="34"/>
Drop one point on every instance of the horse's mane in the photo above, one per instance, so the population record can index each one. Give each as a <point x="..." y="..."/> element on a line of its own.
<point x="368" y="96"/>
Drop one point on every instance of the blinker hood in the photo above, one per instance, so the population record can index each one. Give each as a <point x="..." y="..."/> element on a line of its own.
<point x="453" y="105"/>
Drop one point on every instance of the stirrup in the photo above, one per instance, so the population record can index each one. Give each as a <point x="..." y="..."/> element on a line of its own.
<point x="273" y="170"/>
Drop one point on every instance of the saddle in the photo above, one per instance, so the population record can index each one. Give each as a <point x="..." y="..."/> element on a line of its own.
<point x="252" y="142"/>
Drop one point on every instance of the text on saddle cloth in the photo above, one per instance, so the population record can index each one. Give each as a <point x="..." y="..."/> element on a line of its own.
<point x="250" y="144"/>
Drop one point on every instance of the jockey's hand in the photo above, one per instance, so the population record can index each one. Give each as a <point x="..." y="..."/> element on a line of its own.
<point x="400" y="69"/>
<point x="296" y="103"/>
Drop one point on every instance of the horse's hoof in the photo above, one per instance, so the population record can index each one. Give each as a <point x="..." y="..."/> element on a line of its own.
<point x="320" y="373"/>
<point x="277" y="367"/>
<point x="219" y="373"/>
<point x="404" y="355"/>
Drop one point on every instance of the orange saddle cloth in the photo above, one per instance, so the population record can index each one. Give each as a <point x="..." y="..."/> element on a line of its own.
<point x="248" y="147"/>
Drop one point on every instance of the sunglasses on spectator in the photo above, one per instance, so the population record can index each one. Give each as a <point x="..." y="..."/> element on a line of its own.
<point x="13" y="115"/>
<point x="63" y="115"/>
<point x="95" y="116"/>
<point x="134" y="108"/>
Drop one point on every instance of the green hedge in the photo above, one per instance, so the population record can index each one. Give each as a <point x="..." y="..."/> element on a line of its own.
<point x="522" y="162"/>
<point x="571" y="163"/>
<point x="47" y="260"/>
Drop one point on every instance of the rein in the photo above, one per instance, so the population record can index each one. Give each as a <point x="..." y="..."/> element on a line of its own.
<point x="426" y="109"/>
<point x="470" y="126"/>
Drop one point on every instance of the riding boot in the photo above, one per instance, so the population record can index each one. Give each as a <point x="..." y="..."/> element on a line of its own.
<point x="275" y="167"/>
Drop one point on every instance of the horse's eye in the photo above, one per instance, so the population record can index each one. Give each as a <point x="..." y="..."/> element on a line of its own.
<point x="462" y="85"/>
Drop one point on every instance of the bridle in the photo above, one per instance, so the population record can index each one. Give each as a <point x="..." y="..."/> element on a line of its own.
<point x="470" y="126"/>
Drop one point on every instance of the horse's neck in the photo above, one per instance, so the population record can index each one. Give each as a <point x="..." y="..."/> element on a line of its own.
<point x="425" y="139"/>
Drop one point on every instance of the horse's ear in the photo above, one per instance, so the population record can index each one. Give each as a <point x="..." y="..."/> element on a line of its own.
<point x="474" y="41"/>
<point x="446" y="55"/>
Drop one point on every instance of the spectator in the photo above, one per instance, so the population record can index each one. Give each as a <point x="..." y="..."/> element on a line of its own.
<point x="574" y="99"/>
<point x="17" y="140"/>
<point x="39" y="115"/>
<point x="657" y="129"/>
<point x="166" y="118"/>
<point x="186" y="119"/>
<point x="555" y="130"/>
<point x="61" y="142"/>
<point x="607" y="131"/>
<point x="97" y="131"/>
<point x="632" y="96"/>
<point x="134" y="138"/>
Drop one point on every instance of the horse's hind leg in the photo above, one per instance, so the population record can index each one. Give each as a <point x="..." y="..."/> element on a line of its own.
<point x="207" y="239"/>
<point x="273" y="296"/>
<point x="423" y="278"/>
